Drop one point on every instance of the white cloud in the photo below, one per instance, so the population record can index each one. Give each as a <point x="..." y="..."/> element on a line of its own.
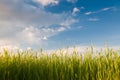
<point x="93" y="19"/>
<point x="105" y="9"/>
<point x="61" y="29"/>
<point x="75" y="10"/>
<point x="47" y="2"/>
<point x="99" y="11"/>
<point x="22" y="13"/>
<point x="34" y="35"/>
<point x="29" y="35"/>
<point x="68" y="22"/>
<point x="72" y="1"/>
<point x="23" y="25"/>
<point x="88" y="13"/>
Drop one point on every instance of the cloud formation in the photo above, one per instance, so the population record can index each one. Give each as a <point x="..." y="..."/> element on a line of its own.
<point x="99" y="11"/>
<point x="93" y="19"/>
<point x="72" y="1"/>
<point x="75" y="10"/>
<point x="47" y="2"/>
<point x="25" y="24"/>
<point x="68" y="22"/>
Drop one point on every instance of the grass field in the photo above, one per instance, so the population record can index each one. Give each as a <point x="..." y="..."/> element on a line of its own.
<point x="31" y="65"/>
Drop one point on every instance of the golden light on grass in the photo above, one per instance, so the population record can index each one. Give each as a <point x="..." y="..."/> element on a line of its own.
<point x="31" y="65"/>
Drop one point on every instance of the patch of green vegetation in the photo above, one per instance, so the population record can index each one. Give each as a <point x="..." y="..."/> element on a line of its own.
<point x="29" y="65"/>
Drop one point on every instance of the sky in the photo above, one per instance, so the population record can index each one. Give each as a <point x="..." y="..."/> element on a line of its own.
<point x="54" y="24"/>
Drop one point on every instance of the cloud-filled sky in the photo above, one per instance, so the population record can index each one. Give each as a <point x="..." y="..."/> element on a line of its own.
<point x="52" y="24"/>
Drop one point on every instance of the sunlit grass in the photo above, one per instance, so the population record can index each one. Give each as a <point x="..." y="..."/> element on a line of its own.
<point x="31" y="65"/>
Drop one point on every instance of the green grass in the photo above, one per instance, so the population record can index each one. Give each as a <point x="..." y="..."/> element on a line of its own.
<point x="30" y="65"/>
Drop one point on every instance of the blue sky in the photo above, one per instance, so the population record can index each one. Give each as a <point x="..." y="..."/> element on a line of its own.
<point x="53" y="24"/>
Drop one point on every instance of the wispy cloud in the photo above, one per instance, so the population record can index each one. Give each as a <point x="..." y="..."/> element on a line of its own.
<point x="99" y="11"/>
<point x="79" y="27"/>
<point x="72" y="1"/>
<point x="106" y="9"/>
<point x="61" y="29"/>
<point x="93" y="19"/>
<point x="68" y="22"/>
<point x="88" y="13"/>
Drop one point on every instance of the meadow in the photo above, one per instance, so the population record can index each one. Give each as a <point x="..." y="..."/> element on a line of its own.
<point x="32" y="65"/>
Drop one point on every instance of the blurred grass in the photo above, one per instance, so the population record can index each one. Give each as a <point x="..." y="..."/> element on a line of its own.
<point x="31" y="65"/>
